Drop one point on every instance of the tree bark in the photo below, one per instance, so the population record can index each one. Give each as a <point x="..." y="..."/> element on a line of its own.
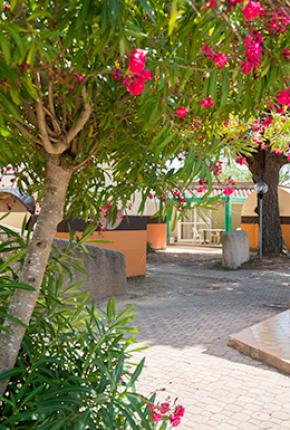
<point x="265" y="166"/>
<point x="23" y="302"/>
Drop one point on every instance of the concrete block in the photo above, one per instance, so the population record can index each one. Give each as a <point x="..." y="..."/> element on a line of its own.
<point x="106" y="272"/>
<point x="235" y="249"/>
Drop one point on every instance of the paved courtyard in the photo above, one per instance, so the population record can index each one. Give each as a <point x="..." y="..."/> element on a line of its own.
<point x="187" y="306"/>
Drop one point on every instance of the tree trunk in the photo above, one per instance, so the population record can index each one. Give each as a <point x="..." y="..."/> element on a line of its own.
<point x="265" y="166"/>
<point x="23" y="302"/>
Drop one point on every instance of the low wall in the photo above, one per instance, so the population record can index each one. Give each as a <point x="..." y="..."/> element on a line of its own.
<point x="106" y="275"/>
<point x="253" y="234"/>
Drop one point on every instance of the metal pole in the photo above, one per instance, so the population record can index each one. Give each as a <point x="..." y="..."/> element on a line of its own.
<point x="261" y="227"/>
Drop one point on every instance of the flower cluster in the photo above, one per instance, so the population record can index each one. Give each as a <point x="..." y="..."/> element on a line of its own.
<point x="135" y="81"/>
<point x="217" y="168"/>
<point x="279" y="22"/>
<point x="284" y="97"/>
<point x="253" y="43"/>
<point x="166" y="411"/>
<point x="240" y="160"/>
<point x="219" y="58"/>
<point x="207" y="102"/>
<point x="181" y="111"/>
<point x="253" y="10"/>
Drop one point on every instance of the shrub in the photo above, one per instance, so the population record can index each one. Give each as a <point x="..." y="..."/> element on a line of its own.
<point x="75" y="368"/>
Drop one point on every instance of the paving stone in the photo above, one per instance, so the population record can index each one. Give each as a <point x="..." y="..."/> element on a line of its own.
<point x="186" y="308"/>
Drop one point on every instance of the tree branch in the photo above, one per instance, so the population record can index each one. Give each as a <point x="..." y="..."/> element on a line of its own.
<point x="23" y="130"/>
<point x="90" y="154"/>
<point x="83" y="118"/>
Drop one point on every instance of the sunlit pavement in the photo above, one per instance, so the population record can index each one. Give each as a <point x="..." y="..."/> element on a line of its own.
<point x="187" y="306"/>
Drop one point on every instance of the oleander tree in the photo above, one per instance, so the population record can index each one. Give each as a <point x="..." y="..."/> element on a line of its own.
<point x="267" y="152"/>
<point x="98" y="97"/>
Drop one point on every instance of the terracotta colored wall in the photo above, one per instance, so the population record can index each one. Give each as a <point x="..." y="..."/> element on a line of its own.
<point x="156" y="235"/>
<point x="253" y="234"/>
<point x="132" y="243"/>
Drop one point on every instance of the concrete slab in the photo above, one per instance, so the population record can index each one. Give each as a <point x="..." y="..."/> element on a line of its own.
<point x="267" y="341"/>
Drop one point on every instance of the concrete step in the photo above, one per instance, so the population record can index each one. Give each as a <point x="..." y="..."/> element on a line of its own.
<point x="267" y="341"/>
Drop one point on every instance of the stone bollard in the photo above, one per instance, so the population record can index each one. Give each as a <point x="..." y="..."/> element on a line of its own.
<point x="236" y="249"/>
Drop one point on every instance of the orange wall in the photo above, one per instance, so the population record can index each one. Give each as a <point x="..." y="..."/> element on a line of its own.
<point x="132" y="243"/>
<point x="253" y="234"/>
<point x="156" y="235"/>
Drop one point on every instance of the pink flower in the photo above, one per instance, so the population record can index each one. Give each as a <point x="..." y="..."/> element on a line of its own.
<point x="288" y="157"/>
<point x="278" y="151"/>
<point x="286" y="54"/>
<point x="207" y="102"/>
<point x="203" y="182"/>
<point x="151" y="407"/>
<point x="284" y="97"/>
<point x="247" y="67"/>
<point x="220" y="59"/>
<point x="279" y="22"/>
<point x="267" y="121"/>
<point x="6" y="5"/>
<point x="179" y="411"/>
<point x="164" y="407"/>
<point x="241" y="160"/>
<point x="208" y="52"/>
<point x="175" y="420"/>
<point x="201" y="190"/>
<point x="102" y="228"/>
<point x="228" y="191"/>
<point x="150" y="196"/>
<point x="137" y="61"/>
<point x="232" y="2"/>
<point x="147" y="75"/>
<point x="116" y="74"/>
<point x="280" y="110"/>
<point x="181" y="111"/>
<point x="135" y="85"/>
<point x="253" y="10"/>
<point x="156" y="417"/>
<point x="211" y="4"/>
<point x="122" y="378"/>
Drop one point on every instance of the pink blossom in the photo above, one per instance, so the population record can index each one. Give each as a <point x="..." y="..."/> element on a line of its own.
<point x="279" y="22"/>
<point x="286" y="54"/>
<point x="208" y="52"/>
<point x="253" y="10"/>
<point x="241" y="160"/>
<point x="81" y="79"/>
<point x="220" y="59"/>
<point x="181" y="111"/>
<point x="201" y="190"/>
<point x="278" y="151"/>
<point x="147" y="75"/>
<point x="228" y="191"/>
<point x="134" y="84"/>
<point x="211" y="4"/>
<point x="164" y="407"/>
<point x="203" y="182"/>
<point x="6" y="5"/>
<point x="267" y="121"/>
<point x="151" y="407"/>
<point x="258" y="141"/>
<point x="122" y="378"/>
<point x="247" y="67"/>
<point x="156" y="417"/>
<point x="256" y="126"/>
<point x="288" y="157"/>
<point x="284" y="97"/>
<point x="179" y="411"/>
<point x="102" y="228"/>
<point x="150" y="196"/>
<point x="232" y="2"/>
<point x="175" y="420"/>
<point x="280" y="110"/>
<point x="137" y="61"/>
<point x="207" y="102"/>
<point x="116" y="74"/>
